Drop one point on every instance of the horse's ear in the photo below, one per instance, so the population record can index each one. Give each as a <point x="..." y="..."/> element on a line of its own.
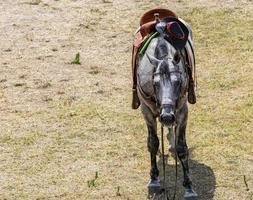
<point x="153" y="60"/>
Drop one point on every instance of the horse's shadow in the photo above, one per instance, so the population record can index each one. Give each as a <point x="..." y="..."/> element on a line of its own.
<point x="202" y="177"/>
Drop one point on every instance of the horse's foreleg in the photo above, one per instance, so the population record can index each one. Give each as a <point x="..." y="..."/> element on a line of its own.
<point x="153" y="146"/>
<point x="154" y="187"/>
<point x="183" y="154"/>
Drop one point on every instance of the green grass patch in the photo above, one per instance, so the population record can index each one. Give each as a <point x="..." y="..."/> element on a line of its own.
<point x="76" y="61"/>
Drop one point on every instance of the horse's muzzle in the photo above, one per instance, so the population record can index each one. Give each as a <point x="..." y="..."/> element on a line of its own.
<point x="167" y="116"/>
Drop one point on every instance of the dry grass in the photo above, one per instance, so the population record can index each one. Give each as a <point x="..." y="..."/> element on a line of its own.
<point x="61" y="124"/>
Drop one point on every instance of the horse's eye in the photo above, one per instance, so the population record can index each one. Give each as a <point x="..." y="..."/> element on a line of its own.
<point x="177" y="58"/>
<point x="156" y="84"/>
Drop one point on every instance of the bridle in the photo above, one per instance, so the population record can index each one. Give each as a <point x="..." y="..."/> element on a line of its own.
<point x="152" y="98"/>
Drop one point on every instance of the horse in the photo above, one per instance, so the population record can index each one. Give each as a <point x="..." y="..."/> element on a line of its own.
<point x="162" y="85"/>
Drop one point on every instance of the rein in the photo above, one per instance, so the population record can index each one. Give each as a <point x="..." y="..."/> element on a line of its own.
<point x="164" y="175"/>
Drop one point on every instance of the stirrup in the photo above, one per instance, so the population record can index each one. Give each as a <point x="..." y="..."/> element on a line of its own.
<point x="191" y="95"/>
<point x="135" y="100"/>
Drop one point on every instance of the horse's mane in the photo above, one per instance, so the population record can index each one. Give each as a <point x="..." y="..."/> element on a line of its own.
<point x="161" y="49"/>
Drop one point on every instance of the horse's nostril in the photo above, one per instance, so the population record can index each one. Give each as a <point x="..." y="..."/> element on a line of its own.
<point x="167" y="119"/>
<point x="172" y="116"/>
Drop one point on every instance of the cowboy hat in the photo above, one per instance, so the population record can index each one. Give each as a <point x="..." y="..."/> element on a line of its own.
<point x="174" y="31"/>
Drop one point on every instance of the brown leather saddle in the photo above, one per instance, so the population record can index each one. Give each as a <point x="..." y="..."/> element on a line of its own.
<point x="147" y="26"/>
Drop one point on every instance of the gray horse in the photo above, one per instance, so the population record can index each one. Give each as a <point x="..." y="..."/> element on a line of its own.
<point x="162" y="79"/>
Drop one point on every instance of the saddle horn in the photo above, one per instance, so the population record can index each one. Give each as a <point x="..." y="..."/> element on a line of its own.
<point x="157" y="19"/>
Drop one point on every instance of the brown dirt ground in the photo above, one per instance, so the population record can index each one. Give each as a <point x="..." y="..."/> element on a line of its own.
<point x="61" y="123"/>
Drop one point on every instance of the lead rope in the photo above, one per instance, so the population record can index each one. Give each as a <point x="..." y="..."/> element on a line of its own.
<point x="175" y="187"/>
<point x="164" y="175"/>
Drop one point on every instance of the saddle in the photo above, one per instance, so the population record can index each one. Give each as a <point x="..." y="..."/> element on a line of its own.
<point x="147" y="27"/>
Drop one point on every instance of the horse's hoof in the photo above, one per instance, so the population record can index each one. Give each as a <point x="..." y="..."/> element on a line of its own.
<point x="154" y="188"/>
<point x="154" y="183"/>
<point x="190" y="194"/>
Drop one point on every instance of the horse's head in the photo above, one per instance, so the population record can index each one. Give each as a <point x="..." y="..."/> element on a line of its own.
<point x="169" y="80"/>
